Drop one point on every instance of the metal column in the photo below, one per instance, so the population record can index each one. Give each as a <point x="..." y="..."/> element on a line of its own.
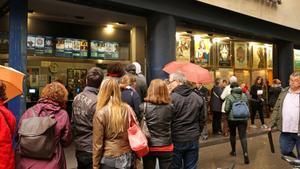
<point x="17" y="48"/>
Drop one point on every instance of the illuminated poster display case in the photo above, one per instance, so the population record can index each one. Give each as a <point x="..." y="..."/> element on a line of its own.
<point x="227" y="56"/>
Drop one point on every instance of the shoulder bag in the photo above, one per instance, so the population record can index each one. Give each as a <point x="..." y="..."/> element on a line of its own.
<point x="137" y="139"/>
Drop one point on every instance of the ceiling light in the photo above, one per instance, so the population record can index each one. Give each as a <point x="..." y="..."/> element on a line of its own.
<point x="109" y="29"/>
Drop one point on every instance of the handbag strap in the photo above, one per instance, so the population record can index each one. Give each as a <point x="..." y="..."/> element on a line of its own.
<point x="131" y="115"/>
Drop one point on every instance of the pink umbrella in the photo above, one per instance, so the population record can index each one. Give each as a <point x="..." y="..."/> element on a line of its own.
<point x="193" y="72"/>
<point x="173" y="66"/>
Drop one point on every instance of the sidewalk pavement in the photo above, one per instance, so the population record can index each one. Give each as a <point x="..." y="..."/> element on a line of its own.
<point x="213" y="147"/>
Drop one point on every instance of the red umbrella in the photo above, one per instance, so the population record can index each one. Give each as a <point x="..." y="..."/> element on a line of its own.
<point x="193" y="72"/>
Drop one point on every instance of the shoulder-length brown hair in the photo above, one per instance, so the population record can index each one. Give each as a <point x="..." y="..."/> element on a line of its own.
<point x="56" y="92"/>
<point x="158" y="92"/>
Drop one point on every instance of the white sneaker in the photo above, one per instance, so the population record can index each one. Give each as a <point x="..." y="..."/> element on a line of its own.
<point x="264" y="126"/>
<point x="253" y="126"/>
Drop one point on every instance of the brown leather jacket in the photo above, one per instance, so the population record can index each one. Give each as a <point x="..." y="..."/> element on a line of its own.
<point x="106" y="144"/>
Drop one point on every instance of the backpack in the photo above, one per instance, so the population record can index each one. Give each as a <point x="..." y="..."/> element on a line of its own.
<point x="240" y="109"/>
<point x="37" y="137"/>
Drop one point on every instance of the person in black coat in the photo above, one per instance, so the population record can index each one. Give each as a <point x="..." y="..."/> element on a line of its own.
<point x="257" y="100"/>
<point x="129" y="95"/>
<point x="216" y="106"/>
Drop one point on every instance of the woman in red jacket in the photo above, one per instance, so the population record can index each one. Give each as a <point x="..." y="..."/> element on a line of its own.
<point x="7" y="129"/>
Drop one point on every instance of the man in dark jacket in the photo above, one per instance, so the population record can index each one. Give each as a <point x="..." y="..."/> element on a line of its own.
<point x="84" y="107"/>
<point x="188" y="122"/>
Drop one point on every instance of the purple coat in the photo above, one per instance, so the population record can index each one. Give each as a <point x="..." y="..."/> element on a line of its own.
<point x="62" y="134"/>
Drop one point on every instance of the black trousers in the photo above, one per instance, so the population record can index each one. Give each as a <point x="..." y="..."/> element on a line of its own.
<point x="164" y="158"/>
<point x="257" y="106"/>
<point x="216" y="123"/>
<point x="84" y="160"/>
<point x="242" y="129"/>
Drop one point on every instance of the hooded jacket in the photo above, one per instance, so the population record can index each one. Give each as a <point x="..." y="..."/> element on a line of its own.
<point x="7" y="130"/>
<point x="84" y="107"/>
<point x="189" y="116"/>
<point x="236" y="94"/>
<point x="62" y="136"/>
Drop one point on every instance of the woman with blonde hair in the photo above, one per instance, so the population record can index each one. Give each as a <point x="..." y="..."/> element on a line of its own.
<point x="158" y="113"/>
<point x="52" y="103"/>
<point x="111" y="147"/>
<point x="129" y="94"/>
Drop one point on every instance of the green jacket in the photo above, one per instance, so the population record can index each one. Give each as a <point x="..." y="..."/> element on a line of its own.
<point x="236" y="94"/>
<point x="276" y="118"/>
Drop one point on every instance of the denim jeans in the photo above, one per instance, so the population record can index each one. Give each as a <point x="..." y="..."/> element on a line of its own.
<point x="84" y="160"/>
<point x="287" y="143"/>
<point x="185" y="155"/>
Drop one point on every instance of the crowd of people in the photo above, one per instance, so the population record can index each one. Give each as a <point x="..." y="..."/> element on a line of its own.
<point x="175" y="112"/>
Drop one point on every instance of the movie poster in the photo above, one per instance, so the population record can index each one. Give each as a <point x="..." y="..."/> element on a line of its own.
<point x="240" y="55"/>
<point x="183" y="48"/>
<point x="60" y="46"/>
<point x="83" y="48"/>
<point x="202" y="51"/>
<point x="224" y="54"/>
<point x="39" y="42"/>
<point x="48" y="46"/>
<point x="30" y="42"/>
<point x="105" y="50"/>
<point x="259" y="56"/>
<point x="269" y="53"/>
<point x="39" y="45"/>
<point x="69" y="47"/>
<point x="296" y="59"/>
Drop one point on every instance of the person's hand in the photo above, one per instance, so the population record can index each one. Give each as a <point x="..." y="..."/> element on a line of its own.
<point x="269" y="129"/>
